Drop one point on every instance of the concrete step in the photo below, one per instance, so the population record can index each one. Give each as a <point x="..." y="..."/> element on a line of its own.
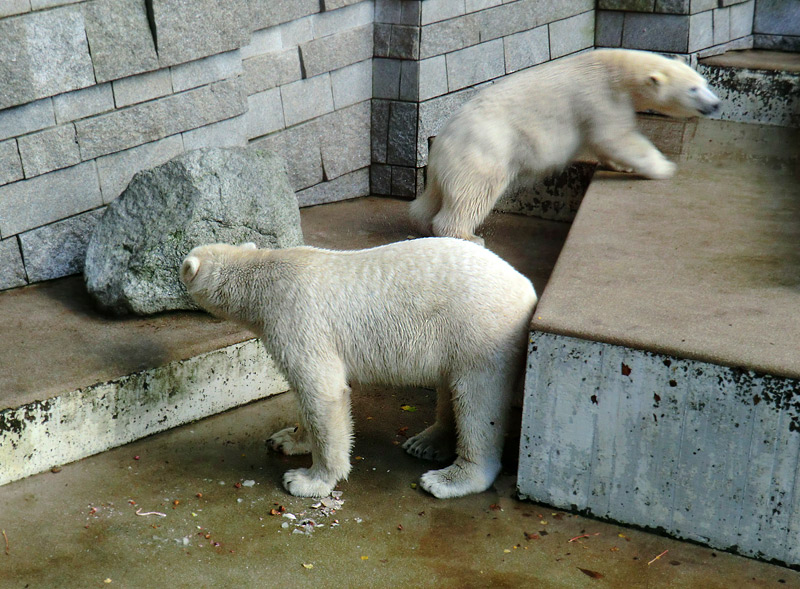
<point x="663" y="384"/>
<point x="74" y="383"/>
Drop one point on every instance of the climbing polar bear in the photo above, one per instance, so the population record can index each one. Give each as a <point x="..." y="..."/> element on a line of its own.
<point x="435" y="312"/>
<point x="536" y="122"/>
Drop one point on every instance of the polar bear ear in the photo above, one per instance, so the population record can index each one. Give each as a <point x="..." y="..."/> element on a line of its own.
<point x="189" y="269"/>
<point x="249" y="246"/>
<point x="657" y="78"/>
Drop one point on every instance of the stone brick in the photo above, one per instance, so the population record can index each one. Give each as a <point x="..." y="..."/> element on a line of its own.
<point x="608" y="28"/>
<point x="12" y="271"/>
<point x="742" y="19"/>
<point x="409" y="80"/>
<point x="141" y="88"/>
<point x="27" y="118"/>
<point x="432" y="77"/>
<point x="344" y="140"/>
<point x="672" y="6"/>
<point x="268" y="14"/>
<point x="404" y="181"/>
<point x="696" y="6"/>
<point x="187" y="31"/>
<point x="306" y="99"/>
<point x="10" y="166"/>
<point x="229" y="133"/>
<point x="656" y="32"/>
<point x="296" y="32"/>
<point x="433" y="114"/>
<point x="48" y="150"/>
<point x="476" y="5"/>
<point x="58" y="249"/>
<point x="524" y="15"/>
<point x="787" y="43"/>
<point x="352" y="84"/>
<point x="449" y="35"/>
<point x="402" y="138"/>
<point x="353" y="16"/>
<point x="336" y="51"/>
<point x="153" y="120"/>
<point x="120" y="40"/>
<point x="335" y="4"/>
<point x="436" y="10"/>
<point x="116" y="170"/>
<point x="206" y="71"/>
<point x="381" y="39"/>
<point x="12" y="7"/>
<point x="300" y="146"/>
<point x="528" y="48"/>
<point x="722" y="25"/>
<point x="44" y="53"/>
<point x="777" y="17"/>
<point x="267" y="71"/>
<point x="474" y="65"/>
<point x="264" y="113"/>
<point x="386" y="78"/>
<point x="701" y="31"/>
<point x="350" y="185"/>
<point x="80" y="104"/>
<point x="380" y="130"/>
<point x="399" y="12"/>
<point x="41" y="4"/>
<point x="31" y="203"/>
<point x="404" y="42"/>
<point x="380" y="179"/>
<point x="571" y="34"/>
<point x="261" y="42"/>
<point x="630" y="5"/>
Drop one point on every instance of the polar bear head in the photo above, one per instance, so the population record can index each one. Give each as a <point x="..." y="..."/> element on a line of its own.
<point x="672" y="88"/>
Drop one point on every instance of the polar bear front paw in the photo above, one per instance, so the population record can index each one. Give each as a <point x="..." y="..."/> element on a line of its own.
<point x="291" y="440"/>
<point x="459" y="479"/>
<point x="434" y="443"/>
<point x="301" y="482"/>
<point x="659" y="169"/>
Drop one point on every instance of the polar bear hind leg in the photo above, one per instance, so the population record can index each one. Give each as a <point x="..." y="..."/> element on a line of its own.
<point x="437" y="442"/>
<point x="424" y="208"/>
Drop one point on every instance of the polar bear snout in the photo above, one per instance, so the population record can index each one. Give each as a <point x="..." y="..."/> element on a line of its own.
<point x="189" y="269"/>
<point x="707" y="101"/>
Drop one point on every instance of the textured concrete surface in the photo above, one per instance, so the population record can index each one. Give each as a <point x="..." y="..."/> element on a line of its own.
<point x="79" y="527"/>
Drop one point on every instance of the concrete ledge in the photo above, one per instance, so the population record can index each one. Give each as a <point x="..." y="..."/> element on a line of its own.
<point x="42" y="434"/>
<point x="696" y="450"/>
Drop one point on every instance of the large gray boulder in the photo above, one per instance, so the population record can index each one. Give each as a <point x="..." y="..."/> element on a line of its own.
<point x="204" y="196"/>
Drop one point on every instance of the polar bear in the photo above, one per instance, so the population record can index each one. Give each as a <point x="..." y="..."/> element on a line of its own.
<point x="534" y="123"/>
<point x="436" y="312"/>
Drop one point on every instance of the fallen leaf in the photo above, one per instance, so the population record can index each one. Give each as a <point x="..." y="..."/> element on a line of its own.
<point x="626" y="370"/>
<point x="529" y="536"/>
<point x="365" y="558"/>
<point x="409" y="408"/>
<point x="495" y="507"/>
<point x="592" y="574"/>
<point x="308" y="566"/>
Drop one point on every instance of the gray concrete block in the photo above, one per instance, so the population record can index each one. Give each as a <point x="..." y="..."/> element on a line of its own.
<point x="187" y="31"/>
<point x="380" y="179"/>
<point x="351" y="16"/>
<point x="44" y="53"/>
<point x="58" y="249"/>
<point x="777" y="17"/>
<point x="528" y="48"/>
<point x="261" y="42"/>
<point x="476" y="5"/>
<point x="80" y="104"/>
<point x="336" y="51"/>
<point x="141" y="88"/>
<point x="12" y="271"/>
<point x="306" y="99"/>
<point x="657" y="32"/>
<point x="300" y="146"/>
<point x="334" y="4"/>
<point x="120" y="40"/>
<point x="571" y="34"/>
<point x="264" y="113"/>
<point x="275" y="12"/>
<point x="629" y="5"/>
<point x="436" y="10"/>
<point x="26" y="118"/>
<point x="476" y="64"/>
<point x="381" y="39"/>
<point x="12" y="7"/>
<point x="701" y="30"/>
<point x="10" y="165"/>
<point x="696" y="6"/>
<point x="296" y="32"/>
<point x="380" y="130"/>
<point x="386" y="78"/>
<point x="409" y="80"/>
<point x="673" y="6"/>
<point x="432" y="77"/>
<point x="229" y="133"/>
<point x="404" y="181"/>
<point x="49" y="150"/>
<point x="742" y="19"/>
<point x="345" y="140"/>
<point x="400" y="12"/>
<point x="352" y="84"/>
<point x="159" y="118"/>
<point x="116" y="170"/>
<point x="41" y="200"/>
<point x="41" y="4"/>
<point x="524" y="15"/>
<point x="433" y="114"/>
<point x="449" y="35"/>
<point x="404" y="42"/>
<point x="608" y="28"/>
<point x="722" y="25"/>
<point x="350" y="185"/>
<point x="777" y="42"/>
<point x="402" y="136"/>
<point x="206" y="70"/>
<point x="267" y="71"/>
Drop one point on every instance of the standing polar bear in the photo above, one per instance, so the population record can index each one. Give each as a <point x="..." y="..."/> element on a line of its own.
<point x="538" y="121"/>
<point x="441" y="313"/>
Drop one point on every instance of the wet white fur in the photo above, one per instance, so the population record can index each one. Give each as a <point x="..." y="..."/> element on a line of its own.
<point x="435" y="312"/>
<point x="534" y="123"/>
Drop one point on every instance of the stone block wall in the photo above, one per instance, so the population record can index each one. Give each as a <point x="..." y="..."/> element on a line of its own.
<point x="92" y="91"/>
<point x="777" y="25"/>
<point x="432" y="55"/>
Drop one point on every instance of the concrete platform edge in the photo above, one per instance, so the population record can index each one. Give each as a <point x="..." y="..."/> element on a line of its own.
<point x="43" y="434"/>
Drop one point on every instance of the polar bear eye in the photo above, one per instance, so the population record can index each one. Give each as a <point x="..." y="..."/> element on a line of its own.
<point x="694" y="90"/>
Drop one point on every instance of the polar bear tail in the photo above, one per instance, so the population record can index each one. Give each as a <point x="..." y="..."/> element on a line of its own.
<point x="425" y="207"/>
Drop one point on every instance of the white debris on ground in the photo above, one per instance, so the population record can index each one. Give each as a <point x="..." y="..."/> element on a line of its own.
<point x="324" y="508"/>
